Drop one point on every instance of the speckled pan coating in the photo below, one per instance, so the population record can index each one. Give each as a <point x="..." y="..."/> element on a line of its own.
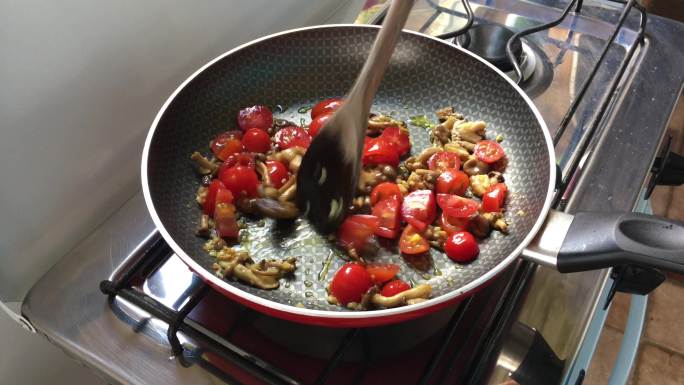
<point x="301" y="67"/>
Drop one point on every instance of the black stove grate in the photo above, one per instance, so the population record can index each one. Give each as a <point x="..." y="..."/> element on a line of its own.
<point x="441" y="365"/>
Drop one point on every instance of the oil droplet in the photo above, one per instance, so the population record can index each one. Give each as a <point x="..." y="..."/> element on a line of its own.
<point x="308" y="283"/>
<point x="308" y="294"/>
<point x="307" y="271"/>
<point x="287" y="285"/>
<point x="437" y="272"/>
<point x="426" y="276"/>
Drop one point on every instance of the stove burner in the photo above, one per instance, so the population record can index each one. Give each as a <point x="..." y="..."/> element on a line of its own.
<point x="489" y="42"/>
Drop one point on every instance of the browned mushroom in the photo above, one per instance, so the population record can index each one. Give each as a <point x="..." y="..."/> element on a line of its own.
<point x="422" y="291"/>
<point x="472" y="132"/>
<point x="474" y="166"/>
<point x="275" y="209"/>
<point x="497" y="221"/>
<point x="479" y="226"/>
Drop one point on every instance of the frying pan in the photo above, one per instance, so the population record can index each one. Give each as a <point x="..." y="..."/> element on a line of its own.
<point x="300" y="67"/>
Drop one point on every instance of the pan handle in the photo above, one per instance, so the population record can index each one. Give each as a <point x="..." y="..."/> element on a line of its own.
<point x="597" y="240"/>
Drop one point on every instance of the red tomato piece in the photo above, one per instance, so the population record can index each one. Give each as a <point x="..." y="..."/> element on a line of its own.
<point x="239" y="180"/>
<point x="256" y="140"/>
<point x="292" y="136"/>
<point x="210" y="199"/>
<point x="243" y="159"/>
<point x="382" y="272"/>
<point x="385" y="190"/>
<point x="225" y="220"/>
<point x="461" y="247"/>
<point x="387" y="211"/>
<point x="488" y="151"/>
<point x="357" y="230"/>
<point x="418" y="209"/>
<point x="456" y="206"/>
<point x="379" y="151"/>
<point x="452" y="225"/>
<point x="397" y="138"/>
<point x="452" y="181"/>
<point x="494" y="198"/>
<point x="225" y="144"/>
<point x="318" y="122"/>
<point x="394" y="287"/>
<point x="326" y="106"/>
<point x="277" y="172"/>
<point x="444" y="160"/>
<point x="412" y="242"/>
<point x="255" y="117"/>
<point x="350" y="283"/>
<point x="387" y="233"/>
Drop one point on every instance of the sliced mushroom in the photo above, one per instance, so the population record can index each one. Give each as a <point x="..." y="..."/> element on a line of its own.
<point x="203" y="229"/>
<point x="444" y="113"/>
<point x="479" y="226"/>
<point x="400" y="299"/>
<point x="472" y="132"/>
<point x="495" y="177"/>
<point x="462" y="153"/>
<point x="497" y="221"/>
<point x="474" y="166"/>
<point x="204" y="165"/>
<point x="201" y="194"/>
<point x="479" y="184"/>
<point x="440" y="134"/>
<point x="275" y="209"/>
<point x="289" y="194"/>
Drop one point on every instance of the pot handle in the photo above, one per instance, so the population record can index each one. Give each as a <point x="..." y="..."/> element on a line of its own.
<point x="597" y="240"/>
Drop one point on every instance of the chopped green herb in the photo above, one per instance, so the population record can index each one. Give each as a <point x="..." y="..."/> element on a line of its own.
<point x="499" y="138"/>
<point x="304" y="109"/>
<point x="421" y="121"/>
<point x="302" y="122"/>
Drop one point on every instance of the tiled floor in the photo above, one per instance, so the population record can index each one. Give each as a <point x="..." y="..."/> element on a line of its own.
<point x="660" y="359"/>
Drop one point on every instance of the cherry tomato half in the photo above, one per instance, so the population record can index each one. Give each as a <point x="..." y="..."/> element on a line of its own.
<point x="350" y="283"/>
<point x="419" y="209"/>
<point x="379" y="151"/>
<point x="382" y="272"/>
<point x="488" y="151"/>
<point x="256" y="140"/>
<point x="443" y="160"/>
<point x="394" y="287"/>
<point x="242" y="159"/>
<point x="412" y="242"/>
<point x="239" y="180"/>
<point x="210" y="199"/>
<point x="452" y="225"/>
<point x="397" y="138"/>
<point x="385" y="190"/>
<point x="387" y="211"/>
<point x="292" y="136"/>
<point x="255" y="117"/>
<point x="318" y="122"/>
<point x="326" y="106"/>
<point x="225" y="144"/>
<point x="277" y="172"/>
<point x="494" y="198"/>
<point x="461" y="247"/>
<point x="456" y="206"/>
<point x="452" y="181"/>
<point x="225" y="220"/>
<point x="356" y="231"/>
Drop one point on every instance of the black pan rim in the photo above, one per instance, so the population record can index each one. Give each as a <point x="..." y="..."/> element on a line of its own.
<point x="303" y="313"/>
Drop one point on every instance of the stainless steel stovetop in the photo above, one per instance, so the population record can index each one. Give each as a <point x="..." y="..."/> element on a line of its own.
<point x="606" y="96"/>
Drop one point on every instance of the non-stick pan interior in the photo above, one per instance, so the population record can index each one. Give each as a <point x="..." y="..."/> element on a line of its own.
<point x="302" y="67"/>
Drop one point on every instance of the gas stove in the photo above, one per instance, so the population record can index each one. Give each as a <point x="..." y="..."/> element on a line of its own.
<point x="605" y="76"/>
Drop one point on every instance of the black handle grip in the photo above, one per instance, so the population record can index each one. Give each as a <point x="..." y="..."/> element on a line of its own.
<point x="598" y="240"/>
